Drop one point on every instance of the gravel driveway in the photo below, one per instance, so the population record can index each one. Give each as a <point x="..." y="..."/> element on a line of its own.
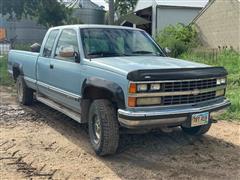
<point x="39" y="143"/>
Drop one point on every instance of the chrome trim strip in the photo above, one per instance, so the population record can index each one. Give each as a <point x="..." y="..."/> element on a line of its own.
<point x="178" y="93"/>
<point x="60" y="108"/>
<point x="30" y="80"/>
<point x="166" y="81"/>
<point x="174" y="111"/>
<point x="176" y="105"/>
<point x="60" y="91"/>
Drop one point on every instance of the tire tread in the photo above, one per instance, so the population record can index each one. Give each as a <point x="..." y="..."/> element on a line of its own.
<point x="110" y="128"/>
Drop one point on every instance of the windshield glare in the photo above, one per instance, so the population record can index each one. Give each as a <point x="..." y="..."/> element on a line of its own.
<point x="117" y="42"/>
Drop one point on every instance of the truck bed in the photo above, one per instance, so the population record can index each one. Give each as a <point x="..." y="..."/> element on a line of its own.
<point x="26" y="61"/>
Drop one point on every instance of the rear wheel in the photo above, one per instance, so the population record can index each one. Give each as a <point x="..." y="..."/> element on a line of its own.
<point x="24" y="94"/>
<point x="103" y="127"/>
<point x="197" y="131"/>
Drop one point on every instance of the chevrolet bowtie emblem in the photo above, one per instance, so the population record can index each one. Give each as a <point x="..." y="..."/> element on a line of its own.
<point x="196" y="92"/>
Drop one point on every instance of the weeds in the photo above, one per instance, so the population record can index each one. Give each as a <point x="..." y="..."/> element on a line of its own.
<point x="4" y="76"/>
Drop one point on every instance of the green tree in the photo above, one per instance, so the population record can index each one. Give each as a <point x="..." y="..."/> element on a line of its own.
<point x="121" y="7"/>
<point x="124" y="7"/>
<point x="46" y="12"/>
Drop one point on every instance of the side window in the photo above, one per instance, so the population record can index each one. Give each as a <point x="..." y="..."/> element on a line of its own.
<point x="67" y="40"/>
<point x="47" y="51"/>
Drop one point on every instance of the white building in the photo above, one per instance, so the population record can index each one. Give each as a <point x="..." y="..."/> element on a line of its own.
<point x="162" y="13"/>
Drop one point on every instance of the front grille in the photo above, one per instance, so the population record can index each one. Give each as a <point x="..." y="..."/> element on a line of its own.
<point x="185" y="91"/>
<point x="187" y="99"/>
<point x="188" y="85"/>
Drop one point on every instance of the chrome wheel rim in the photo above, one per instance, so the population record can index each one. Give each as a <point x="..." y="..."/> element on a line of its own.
<point x="96" y="129"/>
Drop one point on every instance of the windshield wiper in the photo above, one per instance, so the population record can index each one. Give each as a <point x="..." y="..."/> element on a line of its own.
<point x="101" y="54"/>
<point x="145" y="52"/>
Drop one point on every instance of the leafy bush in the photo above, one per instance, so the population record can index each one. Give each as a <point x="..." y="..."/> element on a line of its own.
<point x="178" y="38"/>
<point x="22" y="46"/>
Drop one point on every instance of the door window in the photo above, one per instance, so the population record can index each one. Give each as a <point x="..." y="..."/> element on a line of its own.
<point x="47" y="51"/>
<point x="67" y="40"/>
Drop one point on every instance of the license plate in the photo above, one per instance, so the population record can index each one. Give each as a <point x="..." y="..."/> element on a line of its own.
<point x="200" y="119"/>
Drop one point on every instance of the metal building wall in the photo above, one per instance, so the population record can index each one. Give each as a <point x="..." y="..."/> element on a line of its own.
<point x="26" y="30"/>
<point x="173" y="15"/>
<point x="90" y="16"/>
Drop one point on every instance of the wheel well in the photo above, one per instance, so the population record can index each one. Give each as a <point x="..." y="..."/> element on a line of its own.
<point x="97" y="93"/>
<point x="16" y="73"/>
<point x="92" y="93"/>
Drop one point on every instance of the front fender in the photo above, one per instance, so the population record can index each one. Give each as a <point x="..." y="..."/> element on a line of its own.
<point x="105" y="85"/>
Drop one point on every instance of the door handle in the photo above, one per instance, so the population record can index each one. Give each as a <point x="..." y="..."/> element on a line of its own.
<point x="51" y="66"/>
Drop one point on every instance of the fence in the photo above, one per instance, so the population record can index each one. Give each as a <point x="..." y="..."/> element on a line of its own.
<point x="4" y="48"/>
<point x="210" y="54"/>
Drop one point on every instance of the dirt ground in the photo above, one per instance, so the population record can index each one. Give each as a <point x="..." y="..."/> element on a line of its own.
<point x="39" y="143"/>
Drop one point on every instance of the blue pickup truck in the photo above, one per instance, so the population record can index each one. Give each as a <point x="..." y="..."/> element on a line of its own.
<point x="113" y="78"/>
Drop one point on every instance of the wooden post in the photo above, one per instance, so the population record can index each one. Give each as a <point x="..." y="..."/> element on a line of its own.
<point x="111" y="12"/>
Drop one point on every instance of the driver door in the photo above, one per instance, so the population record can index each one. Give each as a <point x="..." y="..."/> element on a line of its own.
<point x="66" y="77"/>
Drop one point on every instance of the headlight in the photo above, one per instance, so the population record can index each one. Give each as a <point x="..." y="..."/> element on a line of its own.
<point x="142" y="87"/>
<point x="221" y="81"/>
<point x="155" y="87"/>
<point x="148" y="101"/>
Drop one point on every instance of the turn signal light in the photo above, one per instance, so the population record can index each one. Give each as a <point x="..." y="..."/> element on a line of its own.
<point x="132" y="88"/>
<point x="131" y="101"/>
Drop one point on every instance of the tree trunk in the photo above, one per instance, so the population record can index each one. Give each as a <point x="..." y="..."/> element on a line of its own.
<point x="111" y="12"/>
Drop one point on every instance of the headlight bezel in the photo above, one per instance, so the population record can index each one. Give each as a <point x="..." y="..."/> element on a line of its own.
<point x="142" y="88"/>
<point x="221" y="81"/>
<point x="153" y="87"/>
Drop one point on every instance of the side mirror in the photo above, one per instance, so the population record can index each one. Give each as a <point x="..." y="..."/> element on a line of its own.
<point x="69" y="52"/>
<point x="35" y="47"/>
<point x="167" y="51"/>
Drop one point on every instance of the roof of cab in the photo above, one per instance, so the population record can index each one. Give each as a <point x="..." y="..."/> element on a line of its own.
<point x="83" y="26"/>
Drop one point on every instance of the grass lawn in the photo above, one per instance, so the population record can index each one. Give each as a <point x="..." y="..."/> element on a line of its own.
<point x="231" y="61"/>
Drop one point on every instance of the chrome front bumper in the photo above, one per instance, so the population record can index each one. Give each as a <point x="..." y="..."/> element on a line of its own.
<point x="135" y="119"/>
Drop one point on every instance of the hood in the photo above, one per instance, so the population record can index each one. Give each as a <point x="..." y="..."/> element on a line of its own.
<point x="124" y="65"/>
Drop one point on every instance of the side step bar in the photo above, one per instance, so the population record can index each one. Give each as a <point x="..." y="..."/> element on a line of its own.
<point x="72" y="114"/>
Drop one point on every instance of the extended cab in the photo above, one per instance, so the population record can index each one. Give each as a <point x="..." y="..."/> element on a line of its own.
<point x="112" y="77"/>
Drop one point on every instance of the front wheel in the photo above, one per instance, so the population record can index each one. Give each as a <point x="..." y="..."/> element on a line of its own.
<point x="197" y="131"/>
<point x="103" y="127"/>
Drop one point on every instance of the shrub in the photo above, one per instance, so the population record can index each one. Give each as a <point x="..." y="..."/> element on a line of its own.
<point x="178" y="38"/>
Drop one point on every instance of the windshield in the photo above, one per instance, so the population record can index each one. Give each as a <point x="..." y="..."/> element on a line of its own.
<point x="109" y="42"/>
